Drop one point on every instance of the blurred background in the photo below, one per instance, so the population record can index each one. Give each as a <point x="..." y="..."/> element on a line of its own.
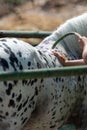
<point x="34" y="15"/>
<point x="37" y="15"/>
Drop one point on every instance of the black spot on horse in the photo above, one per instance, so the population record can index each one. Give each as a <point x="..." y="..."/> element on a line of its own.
<point x="7" y="114"/>
<point x="19" y="98"/>
<point x="13" y="59"/>
<point x="15" y="123"/>
<point x="2" y="117"/>
<point x="33" y="81"/>
<point x="36" y="91"/>
<point x="25" y="109"/>
<point x="3" y="40"/>
<point x="24" y="82"/>
<point x="24" y="120"/>
<point x="40" y="53"/>
<point x="19" y="53"/>
<point x="7" y="47"/>
<point x="14" y="114"/>
<point x="15" y="41"/>
<point x="15" y="82"/>
<point x="5" y="83"/>
<point x="13" y="95"/>
<point x="1" y="99"/>
<point x="31" y="99"/>
<point x="20" y="67"/>
<point x="8" y="91"/>
<point x="20" y="107"/>
<point x="11" y="103"/>
<point x="4" y="64"/>
<point x="29" y="63"/>
<point x="25" y="102"/>
<point x="6" y="50"/>
<point x="42" y="80"/>
<point x="79" y="78"/>
<point x="38" y="65"/>
<point x="53" y="113"/>
<point x="52" y="126"/>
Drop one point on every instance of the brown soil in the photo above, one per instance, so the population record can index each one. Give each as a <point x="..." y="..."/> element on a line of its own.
<point x="41" y="16"/>
<point x="44" y="15"/>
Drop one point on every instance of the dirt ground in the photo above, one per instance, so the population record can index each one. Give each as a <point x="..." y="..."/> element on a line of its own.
<point x="39" y="15"/>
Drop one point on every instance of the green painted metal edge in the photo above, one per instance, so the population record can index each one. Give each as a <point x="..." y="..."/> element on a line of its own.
<point x="68" y="127"/>
<point x="24" y="34"/>
<point x="61" y="38"/>
<point x="44" y="73"/>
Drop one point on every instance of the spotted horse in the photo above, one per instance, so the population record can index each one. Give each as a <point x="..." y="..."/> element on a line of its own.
<point x="56" y="98"/>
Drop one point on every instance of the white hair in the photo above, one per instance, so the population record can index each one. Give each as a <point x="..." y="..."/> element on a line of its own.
<point x="76" y="24"/>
